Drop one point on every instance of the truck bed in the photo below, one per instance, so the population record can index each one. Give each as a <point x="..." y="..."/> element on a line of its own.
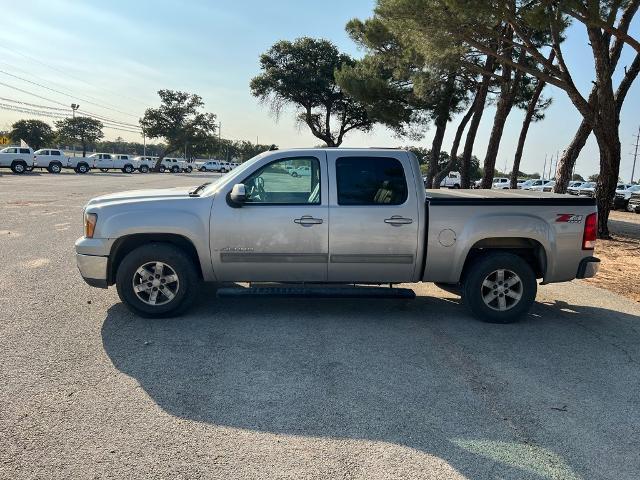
<point x="503" y="197"/>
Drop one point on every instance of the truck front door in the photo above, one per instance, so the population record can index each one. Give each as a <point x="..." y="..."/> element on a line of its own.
<point x="281" y="231"/>
<point x="373" y="234"/>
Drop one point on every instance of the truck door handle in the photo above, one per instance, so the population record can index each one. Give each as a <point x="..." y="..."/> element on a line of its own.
<point x="397" y="220"/>
<point x="307" y="221"/>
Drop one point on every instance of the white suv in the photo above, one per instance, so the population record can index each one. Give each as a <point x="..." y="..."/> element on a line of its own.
<point x="53" y="160"/>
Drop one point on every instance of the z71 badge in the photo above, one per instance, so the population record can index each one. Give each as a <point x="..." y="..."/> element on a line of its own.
<point x="568" y="218"/>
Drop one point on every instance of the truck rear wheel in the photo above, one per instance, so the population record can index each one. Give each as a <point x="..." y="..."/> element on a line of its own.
<point x="157" y="280"/>
<point x="18" y="166"/>
<point x="499" y="288"/>
<point x="144" y="169"/>
<point x="162" y="169"/>
<point x="82" y="168"/>
<point x="54" y="167"/>
<point x="175" y="169"/>
<point x="128" y="169"/>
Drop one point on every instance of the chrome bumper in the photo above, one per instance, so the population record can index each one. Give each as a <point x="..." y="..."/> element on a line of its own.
<point x="588" y="267"/>
<point x="93" y="269"/>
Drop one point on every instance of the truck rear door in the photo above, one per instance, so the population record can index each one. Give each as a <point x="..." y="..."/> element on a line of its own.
<point x="374" y="217"/>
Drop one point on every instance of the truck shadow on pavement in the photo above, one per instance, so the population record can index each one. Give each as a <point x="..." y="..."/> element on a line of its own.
<point x="549" y="397"/>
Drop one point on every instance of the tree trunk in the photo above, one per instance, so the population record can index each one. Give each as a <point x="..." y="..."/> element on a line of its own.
<point x="526" y="123"/>
<point x="570" y="155"/>
<point x="436" y="147"/>
<point x="453" y="157"/>
<point x="505" y="104"/>
<point x="608" y="139"/>
<point x="564" y="170"/>
<point x="84" y="149"/>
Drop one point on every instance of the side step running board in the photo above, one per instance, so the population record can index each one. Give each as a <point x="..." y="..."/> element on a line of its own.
<point x="319" y="292"/>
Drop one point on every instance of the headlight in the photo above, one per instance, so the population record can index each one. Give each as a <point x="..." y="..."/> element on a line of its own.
<point x="90" y="220"/>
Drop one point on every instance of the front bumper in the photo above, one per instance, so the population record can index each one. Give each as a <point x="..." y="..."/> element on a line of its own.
<point x="92" y="258"/>
<point x="588" y="267"/>
<point x="93" y="269"/>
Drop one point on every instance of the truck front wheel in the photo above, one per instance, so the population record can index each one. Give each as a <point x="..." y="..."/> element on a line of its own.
<point x="499" y="288"/>
<point x="82" y="168"/>
<point x="157" y="280"/>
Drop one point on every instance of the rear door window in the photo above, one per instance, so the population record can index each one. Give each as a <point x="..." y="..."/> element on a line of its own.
<point x="370" y="181"/>
<point x="55" y="152"/>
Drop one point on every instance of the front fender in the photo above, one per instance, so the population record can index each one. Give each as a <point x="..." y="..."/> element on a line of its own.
<point x="190" y="221"/>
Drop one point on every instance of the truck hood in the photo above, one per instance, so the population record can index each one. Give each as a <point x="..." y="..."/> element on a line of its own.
<point x="150" y="194"/>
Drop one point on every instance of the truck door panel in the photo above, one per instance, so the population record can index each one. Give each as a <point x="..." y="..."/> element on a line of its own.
<point x="374" y="218"/>
<point x="281" y="232"/>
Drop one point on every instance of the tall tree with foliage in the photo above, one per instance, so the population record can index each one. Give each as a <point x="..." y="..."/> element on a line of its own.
<point x="83" y="130"/>
<point x="178" y="120"/>
<point x="470" y="26"/>
<point x="400" y="89"/>
<point x="36" y="133"/>
<point x="302" y="74"/>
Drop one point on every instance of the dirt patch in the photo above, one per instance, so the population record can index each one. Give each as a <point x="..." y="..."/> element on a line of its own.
<point x="620" y="256"/>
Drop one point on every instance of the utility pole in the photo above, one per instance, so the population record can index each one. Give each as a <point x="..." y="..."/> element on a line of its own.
<point x="144" y="143"/>
<point x="544" y="168"/>
<point x="219" y="130"/>
<point x="74" y="107"/>
<point x="635" y="155"/>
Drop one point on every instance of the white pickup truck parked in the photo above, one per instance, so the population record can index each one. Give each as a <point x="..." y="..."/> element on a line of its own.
<point x="18" y="159"/>
<point x="111" y="161"/>
<point x="52" y="159"/>
<point x="361" y="217"/>
<point x="174" y="165"/>
<point x="144" y="164"/>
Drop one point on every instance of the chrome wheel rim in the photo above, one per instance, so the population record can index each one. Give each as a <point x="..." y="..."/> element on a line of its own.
<point x="501" y="290"/>
<point x="19" y="168"/>
<point x="155" y="283"/>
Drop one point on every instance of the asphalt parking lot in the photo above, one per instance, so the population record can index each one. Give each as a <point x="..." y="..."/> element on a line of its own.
<point x="356" y="389"/>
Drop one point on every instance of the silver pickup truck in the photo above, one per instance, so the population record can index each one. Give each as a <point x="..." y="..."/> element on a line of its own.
<point x="347" y="216"/>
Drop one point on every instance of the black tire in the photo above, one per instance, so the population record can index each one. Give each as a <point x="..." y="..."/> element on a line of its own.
<point x="175" y="169"/>
<point x="484" y="268"/>
<point x="456" y="186"/>
<point x="177" y="260"/>
<point x="82" y="168"/>
<point x="454" y="288"/>
<point x="162" y="169"/>
<point x="202" y="169"/>
<point x="54" y="167"/>
<point x="18" y="167"/>
<point x="29" y="169"/>
<point x="223" y="170"/>
<point x="144" y="169"/>
<point x="189" y="169"/>
<point x="105" y="170"/>
<point x="294" y="174"/>
<point x="128" y="169"/>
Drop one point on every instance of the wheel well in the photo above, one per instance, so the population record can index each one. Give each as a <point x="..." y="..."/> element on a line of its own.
<point x="18" y="160"/>
<point x="531" y="251"/>
<point x="126" y="244"/>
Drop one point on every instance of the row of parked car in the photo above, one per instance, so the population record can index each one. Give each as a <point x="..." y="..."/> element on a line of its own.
<point x="22" y="159"/>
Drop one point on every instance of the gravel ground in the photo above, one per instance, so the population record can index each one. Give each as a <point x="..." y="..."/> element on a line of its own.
<point x="296" y="388"/>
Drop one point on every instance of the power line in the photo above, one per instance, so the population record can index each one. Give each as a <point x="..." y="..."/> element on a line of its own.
<point x="65" y="73"/>
<point x="90" y="114"/>
<point x="65" y="94"/>
<point x="56" y="115"/>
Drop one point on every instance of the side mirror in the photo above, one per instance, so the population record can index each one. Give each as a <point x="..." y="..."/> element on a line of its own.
<point x="238" y="193"/>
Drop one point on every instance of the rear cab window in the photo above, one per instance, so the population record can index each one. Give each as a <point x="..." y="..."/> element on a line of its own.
<point x="370" y="181"/>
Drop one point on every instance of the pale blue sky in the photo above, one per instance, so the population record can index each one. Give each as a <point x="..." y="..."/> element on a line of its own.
<point x="119" y="53"/>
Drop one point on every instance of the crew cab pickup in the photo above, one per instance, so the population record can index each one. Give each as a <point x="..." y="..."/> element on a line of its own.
<point x="362" y="216"/>
<point x="18" y="159"/>
<point x="52" y="159"/>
